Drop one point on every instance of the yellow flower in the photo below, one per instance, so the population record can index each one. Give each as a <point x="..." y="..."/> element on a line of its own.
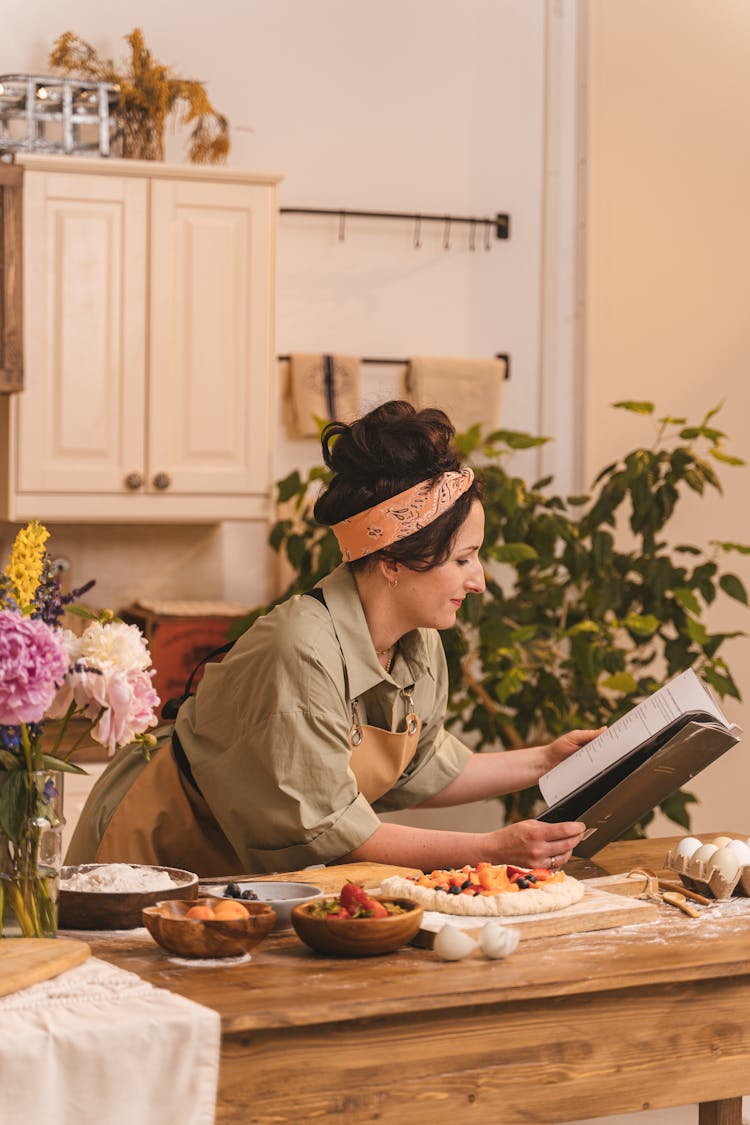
<point x="26" y="561"/>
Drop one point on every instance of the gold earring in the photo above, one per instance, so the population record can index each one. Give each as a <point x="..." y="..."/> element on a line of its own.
<point x="393" y="584"/>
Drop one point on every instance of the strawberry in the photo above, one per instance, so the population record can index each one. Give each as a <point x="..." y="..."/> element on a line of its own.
<point x="516" y="872"/>
<point x="541" y="873"/>
<point x="377" y="910"/>
<point x="352" y="896"/>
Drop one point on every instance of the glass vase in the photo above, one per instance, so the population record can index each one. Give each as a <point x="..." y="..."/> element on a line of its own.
<point x="31" y="855"/>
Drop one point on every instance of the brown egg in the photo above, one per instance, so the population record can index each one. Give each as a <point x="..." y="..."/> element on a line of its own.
<point x="199" y="913"/>
<point x="229" y="908"/>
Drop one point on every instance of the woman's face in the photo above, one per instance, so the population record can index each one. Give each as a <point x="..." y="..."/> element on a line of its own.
<point x="431" y="598"/>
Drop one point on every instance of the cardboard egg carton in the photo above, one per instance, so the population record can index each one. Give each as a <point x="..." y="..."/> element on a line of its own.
<point x="707" y="879"/>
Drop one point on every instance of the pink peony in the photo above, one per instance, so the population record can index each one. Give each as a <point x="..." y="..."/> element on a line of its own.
<point x="128" y="696"/>
<point x="33" y="663"/>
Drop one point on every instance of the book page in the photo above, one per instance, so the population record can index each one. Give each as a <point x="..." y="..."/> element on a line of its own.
<point x="681" y="695"/>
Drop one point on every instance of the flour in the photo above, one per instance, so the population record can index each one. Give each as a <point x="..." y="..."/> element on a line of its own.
<point x="119" y="878"/>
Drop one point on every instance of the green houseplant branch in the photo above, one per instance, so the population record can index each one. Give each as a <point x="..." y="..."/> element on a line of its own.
<point x="589" y="606"/>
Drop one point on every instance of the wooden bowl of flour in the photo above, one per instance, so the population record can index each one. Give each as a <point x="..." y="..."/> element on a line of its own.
<point x="106" y="896"/>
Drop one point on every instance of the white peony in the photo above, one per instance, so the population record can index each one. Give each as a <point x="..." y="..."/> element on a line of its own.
<point x="110" y="646"/>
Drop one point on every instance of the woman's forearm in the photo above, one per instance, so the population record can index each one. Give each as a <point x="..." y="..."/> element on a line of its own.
<point x="492" y="775"/>
<point x="423" y="848"/>
<point x="529" y="843"/>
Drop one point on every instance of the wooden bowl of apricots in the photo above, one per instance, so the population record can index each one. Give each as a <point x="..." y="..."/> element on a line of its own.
<point x="208" y="927"/>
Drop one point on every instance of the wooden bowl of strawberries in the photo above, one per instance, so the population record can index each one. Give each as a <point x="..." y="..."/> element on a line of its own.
<point x="356" y="924"/>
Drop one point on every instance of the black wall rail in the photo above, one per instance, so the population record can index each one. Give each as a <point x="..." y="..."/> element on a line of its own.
<point x="497" y="226"/>
<point x="405" y="362"/>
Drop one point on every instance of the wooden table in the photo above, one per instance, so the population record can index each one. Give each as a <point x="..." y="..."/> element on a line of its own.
<point x="584" y="1025"/>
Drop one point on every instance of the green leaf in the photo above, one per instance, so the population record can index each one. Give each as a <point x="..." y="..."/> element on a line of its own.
<point x="719" y="455"/>
<point x="82" y="611"/>
<point x="11" y="761"/>
<point x="622" y="682"/>
<point x="13" y="787"/>
<point x="635" y="407"/>
<point x="586" y="626"/>
<point x="642" y="624"/>
<point x="732" y="586"/>
<point x="278" y="534"/>
<point x="696" y="631"/>
<point x="740" y="548"/>
<point x="514" y="553"/>
<point x="60" y="764"/>
<point x="675" y="807"/>
<point x="516" y="439"/>
<point x="687" y="599"/>
<point x="289" y="487"/>
<point x="723" y="685"/>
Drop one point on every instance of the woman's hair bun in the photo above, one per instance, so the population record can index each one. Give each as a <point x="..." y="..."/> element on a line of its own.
<point x="393" y="442"/>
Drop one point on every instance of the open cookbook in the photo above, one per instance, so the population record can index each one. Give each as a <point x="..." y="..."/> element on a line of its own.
<point x="638" y="761"/>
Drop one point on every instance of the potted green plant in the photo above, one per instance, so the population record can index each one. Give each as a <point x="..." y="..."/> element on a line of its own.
<point x="578" y="623"/>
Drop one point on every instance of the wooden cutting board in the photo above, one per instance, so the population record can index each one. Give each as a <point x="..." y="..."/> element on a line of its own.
<point x="330" y="879"/>
<point x="25" y="961"/>
<point x="597" y="910"/>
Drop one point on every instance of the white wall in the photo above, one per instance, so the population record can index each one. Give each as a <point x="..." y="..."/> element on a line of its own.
<point x="423" y="105"/>
<point x="668" y="241"/>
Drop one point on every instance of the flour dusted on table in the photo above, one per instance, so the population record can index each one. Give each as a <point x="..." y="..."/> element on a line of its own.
<point x="119" y="878"/>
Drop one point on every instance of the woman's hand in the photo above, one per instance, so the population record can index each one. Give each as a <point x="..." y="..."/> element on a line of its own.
<point x="567" y="744"/>
<point x="533" y="843"/>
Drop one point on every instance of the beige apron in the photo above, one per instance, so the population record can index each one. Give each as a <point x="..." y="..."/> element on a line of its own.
<point x="164" y="820"/>
<point x="379" y="757"/>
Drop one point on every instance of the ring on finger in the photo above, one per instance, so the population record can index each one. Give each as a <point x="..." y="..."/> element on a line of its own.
<point x="552" y="862"/>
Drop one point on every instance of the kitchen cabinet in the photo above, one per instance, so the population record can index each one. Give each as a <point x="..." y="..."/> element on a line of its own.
<point x="149" y="353"/>
<point x="11" y="353"/>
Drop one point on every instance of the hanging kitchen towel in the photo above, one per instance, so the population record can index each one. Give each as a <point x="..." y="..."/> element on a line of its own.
<point x="323" y="386"/>
<point x="468" y="390"/>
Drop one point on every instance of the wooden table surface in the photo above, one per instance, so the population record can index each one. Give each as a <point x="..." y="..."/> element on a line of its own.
<point x="582" y="1025"/>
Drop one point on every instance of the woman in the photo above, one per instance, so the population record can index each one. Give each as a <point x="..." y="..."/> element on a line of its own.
<point x="329" y="710"/>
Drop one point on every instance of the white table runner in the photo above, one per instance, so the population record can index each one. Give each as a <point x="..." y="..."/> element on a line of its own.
<point x="99" y="1046"/>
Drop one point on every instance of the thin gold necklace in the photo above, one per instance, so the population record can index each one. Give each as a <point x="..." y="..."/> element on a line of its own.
<point x="390" y="653"/>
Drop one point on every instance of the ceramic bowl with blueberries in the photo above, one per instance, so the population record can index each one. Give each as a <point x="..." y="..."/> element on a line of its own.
<point x="281" y="896"/>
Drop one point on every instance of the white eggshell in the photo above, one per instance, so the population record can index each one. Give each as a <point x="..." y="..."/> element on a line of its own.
<point x="687" y="846"/>
<point x="452" y="944"/>
<point x="741" y="850"/>
<point x="727" y="862"/>
<point x="721" y="841"/>
<point x="498" y="941"/>
<point x="703" y="854"/>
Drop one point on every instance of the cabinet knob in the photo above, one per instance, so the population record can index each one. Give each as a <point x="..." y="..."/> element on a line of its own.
<point x="134" y="481"/>
<point x="162" y="481"/>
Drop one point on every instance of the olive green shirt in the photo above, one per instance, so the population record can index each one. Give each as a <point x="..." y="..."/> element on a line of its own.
<point x="267" y="732"/>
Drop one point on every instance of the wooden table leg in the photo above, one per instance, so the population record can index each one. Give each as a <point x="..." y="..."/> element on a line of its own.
<point x="728" y="1111"/>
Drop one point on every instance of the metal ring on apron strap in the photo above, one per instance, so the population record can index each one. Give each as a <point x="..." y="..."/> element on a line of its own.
<point x="411" y="718"/>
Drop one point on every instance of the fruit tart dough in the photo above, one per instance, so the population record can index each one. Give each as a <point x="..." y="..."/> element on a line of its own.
<point x="488" y="890"/>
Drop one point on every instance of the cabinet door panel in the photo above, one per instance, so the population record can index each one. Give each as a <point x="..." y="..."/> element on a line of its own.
<point x="81" y="418"/>
<point x="211" y="337"/>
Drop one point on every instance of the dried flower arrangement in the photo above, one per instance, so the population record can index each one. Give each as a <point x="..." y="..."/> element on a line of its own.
<point x="149" y="93"/>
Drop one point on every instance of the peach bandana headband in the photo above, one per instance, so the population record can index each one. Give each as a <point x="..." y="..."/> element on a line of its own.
<point x="401" y="515"/>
